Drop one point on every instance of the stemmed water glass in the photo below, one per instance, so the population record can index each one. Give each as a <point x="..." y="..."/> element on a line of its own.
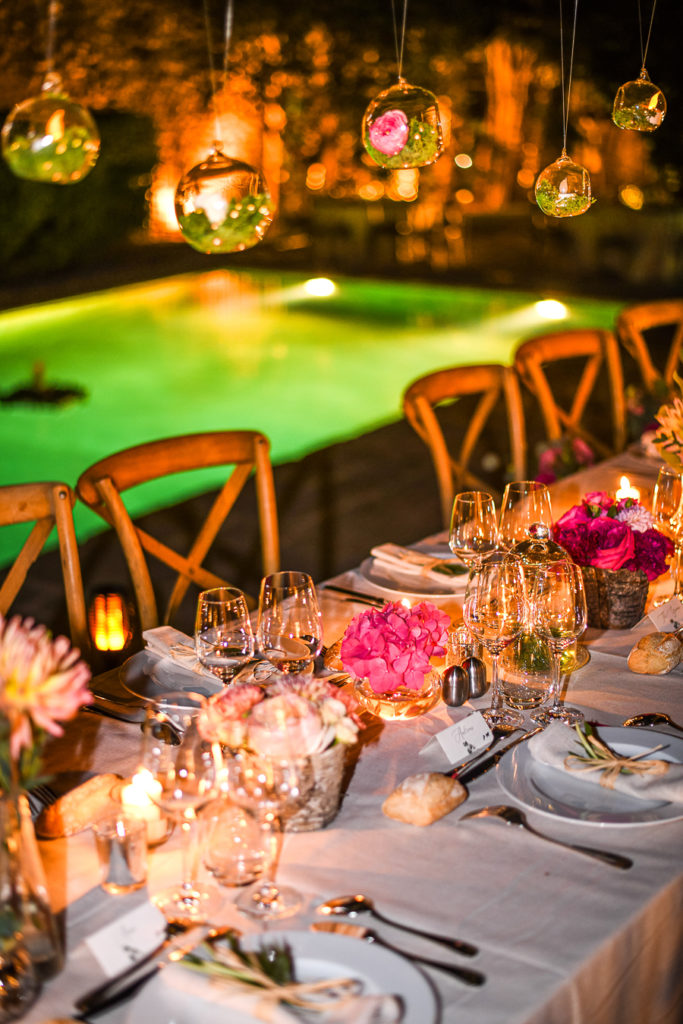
<point x="524" y="502"/>
<point x="289" y="631"/>
<point x="473" y="533"/>
<point x="666" y="508"/>
<point x="267" y="785"/>
<point x="558" y="610"/>
<point x="495" y="613"/>
<point x="187" y="776"/>
<point x="223" y="637"/>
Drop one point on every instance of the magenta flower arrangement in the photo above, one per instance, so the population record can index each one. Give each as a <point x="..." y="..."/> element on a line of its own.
<point x="611" y="534"/>
<point x="391" y="646"/>
<point x="389" y="132"/>
<point x="561" y="458"/>
<point x="43" y="682"/>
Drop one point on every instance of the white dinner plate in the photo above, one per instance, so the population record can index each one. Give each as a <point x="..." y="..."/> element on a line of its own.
<point x="557" y="794"/>
<point x="393" y="581"/>
<point x="435" y="547"/>
<point x="150" y="677"/>
<point x="179" y="996"/>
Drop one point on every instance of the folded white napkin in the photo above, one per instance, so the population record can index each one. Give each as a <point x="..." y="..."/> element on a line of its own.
<point x="557" y="742"/>
<point x="167" y="642"/>
<point x="449" y="573"/>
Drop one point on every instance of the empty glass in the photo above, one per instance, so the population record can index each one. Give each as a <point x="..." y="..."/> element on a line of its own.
<point x="666" y="508"/>
<point x="223" y="637"/>
<point x="524" y="502"/>
<point x="473" y="533"/>
<point x="289" y="632"/>
<point x="558" y="610"/>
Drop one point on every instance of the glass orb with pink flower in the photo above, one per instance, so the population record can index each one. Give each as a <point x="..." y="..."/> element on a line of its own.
<point x="402" y="127"/>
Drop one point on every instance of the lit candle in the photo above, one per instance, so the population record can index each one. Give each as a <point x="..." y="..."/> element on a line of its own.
<point x="137" y="801"/>
<point x="626" y="491"/>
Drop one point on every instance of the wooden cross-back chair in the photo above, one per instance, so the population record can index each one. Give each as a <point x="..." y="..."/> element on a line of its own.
<point x="47" y="505"/>
<point x="102" y="484"/>
<point x="492" y="383"/>
<point x="597" y="349"/>
<point x="633" y="326"/>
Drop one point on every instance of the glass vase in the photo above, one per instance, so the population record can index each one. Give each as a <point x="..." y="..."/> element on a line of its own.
<point x="401" y="703"/>
<point x="19" y="981"/>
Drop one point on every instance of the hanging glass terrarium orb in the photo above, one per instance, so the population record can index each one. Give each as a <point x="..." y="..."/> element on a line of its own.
<point x="563" y="189"/>
<point x="639" y="106"/>
<point x="223" y="205"/>
<point x="402" y="127"/>
<point x="50" y="137"/>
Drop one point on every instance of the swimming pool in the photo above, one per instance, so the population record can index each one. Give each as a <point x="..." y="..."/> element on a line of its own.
<point x="251" y="350"/>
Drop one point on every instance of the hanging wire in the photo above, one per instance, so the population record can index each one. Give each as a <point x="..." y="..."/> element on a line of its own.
<point x="212" y="68"/>
<point x="399" y="43"/>
<point x="643" y="50"/>
<point x="566" y="94"/>
<point x="52" y="12"/>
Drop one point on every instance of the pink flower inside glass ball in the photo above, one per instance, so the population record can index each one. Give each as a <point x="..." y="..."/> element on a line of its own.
<point x="389" y="132"/>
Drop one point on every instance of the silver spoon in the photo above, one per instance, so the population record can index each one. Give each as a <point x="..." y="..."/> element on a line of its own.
<point x="651" y="719"/>
<point x="351" y="906"/>
<point x="513" y="816"/>
<point x="356" y="931"/>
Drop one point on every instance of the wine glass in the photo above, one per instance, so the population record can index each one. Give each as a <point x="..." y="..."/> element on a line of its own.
<point x="289" y="631"/>
<point x="186" y="776"/>
<point x="223" y="637"/>
<point x="525" y="502"/>
<point x="558" y="608"/>
<point x="473" y="532"/>
<point x="495" y="613"/>
<point x="666" y="508"/>
<point x="266" y="785"/>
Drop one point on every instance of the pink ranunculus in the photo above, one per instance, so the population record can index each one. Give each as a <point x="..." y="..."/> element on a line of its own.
<point x="223" y="718"/>
<point x="388" y="133"/>
<point x="285" y="726"/>
<point x="600" y="499"/>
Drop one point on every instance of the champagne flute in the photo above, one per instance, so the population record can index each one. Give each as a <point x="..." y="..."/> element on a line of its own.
<point x="525" y="502"/>
<point x="187" y="776"/>
<point x="289" y="631"/>
<point x="223" y="637"/>
<point x="473" y="533"/>
<point x="559" y="616"/>
<point x="666" y="508"/>
<point x="495" y="613"/>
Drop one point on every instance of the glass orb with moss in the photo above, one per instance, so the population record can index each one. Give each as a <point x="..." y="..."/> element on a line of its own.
<point x="402" y="127"/>
<point x="50" y="137"/>
<point x="639" y="106"/>
<point x="223" y="205"/>
<point x="563" y="189"/>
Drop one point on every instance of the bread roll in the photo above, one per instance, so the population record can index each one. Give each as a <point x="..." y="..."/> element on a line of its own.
<point x="331" y="658"/>
<point x="78" y="809"/>
<point x="424" y="798"/>
<point x="656" y="654"/>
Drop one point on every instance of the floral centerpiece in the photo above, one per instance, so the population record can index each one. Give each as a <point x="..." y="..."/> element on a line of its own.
<point x="299" y="715"/>
<point x="389" y="650"/>
<point x="619" y="550"/>
<point x="561" y="458"/>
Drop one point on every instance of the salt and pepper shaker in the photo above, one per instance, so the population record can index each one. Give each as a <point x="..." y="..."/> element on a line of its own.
<point x="455" y="687"/>
<point x="475" y="670"/>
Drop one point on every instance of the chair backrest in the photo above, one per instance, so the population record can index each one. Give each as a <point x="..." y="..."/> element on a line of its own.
<point x="102" y="484"/>
<point x="46" y="505"/>
<point x="491" y="383"/>
<point x="595" y="349"/>
<point x="633" y="325"/>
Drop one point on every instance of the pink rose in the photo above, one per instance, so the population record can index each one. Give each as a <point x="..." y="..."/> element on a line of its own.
<point x="616" y="543"/>
<point x="285" y="726"/>
<point x="389" y="132"/>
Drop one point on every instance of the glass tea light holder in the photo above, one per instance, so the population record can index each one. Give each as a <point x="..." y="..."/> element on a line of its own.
<point x="136" y="799"/>
<point x="121" y="844"/>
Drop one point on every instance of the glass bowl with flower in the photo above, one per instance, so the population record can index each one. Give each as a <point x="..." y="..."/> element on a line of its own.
<point x="389" y="651"/>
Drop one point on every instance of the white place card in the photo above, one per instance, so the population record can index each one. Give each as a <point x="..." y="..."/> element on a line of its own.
<point x="128" y="939"/>
<point x="464" y="738"/>
<point x="667" y="617"/>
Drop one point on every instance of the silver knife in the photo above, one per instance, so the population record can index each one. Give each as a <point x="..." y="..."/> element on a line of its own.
<point x="488" y="762"/>
<point x="114" y="989"/>
<point x="357" y="595"/>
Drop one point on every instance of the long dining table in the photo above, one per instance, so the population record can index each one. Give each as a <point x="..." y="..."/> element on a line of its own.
<point x="562" y="938"/>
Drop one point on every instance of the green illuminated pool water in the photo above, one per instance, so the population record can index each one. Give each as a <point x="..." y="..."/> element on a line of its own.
<point x="244" y="350"/>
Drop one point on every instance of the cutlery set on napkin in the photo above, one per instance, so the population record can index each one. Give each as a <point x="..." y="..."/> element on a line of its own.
<point x="410" y="562"/>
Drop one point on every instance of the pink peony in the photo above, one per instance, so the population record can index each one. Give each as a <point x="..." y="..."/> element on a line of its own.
<point x="223" y="718"/>
<point x="42" y="681"/>
<point x="389" y="132"/>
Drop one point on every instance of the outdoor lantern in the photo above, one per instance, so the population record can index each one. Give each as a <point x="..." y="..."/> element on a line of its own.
<point x="639" y="106"/>
<point x="50" y="137"/>
<point x="223" y="205"/>
<point x="563" y="189"/>
<point x="109" y="620"/>
<point x="402" y="127"/>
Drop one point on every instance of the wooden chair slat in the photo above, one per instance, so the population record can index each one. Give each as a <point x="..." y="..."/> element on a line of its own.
<point x="632" y="326"/>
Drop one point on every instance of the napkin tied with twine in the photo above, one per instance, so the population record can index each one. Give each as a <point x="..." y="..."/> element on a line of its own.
<point x="601" y="758"/>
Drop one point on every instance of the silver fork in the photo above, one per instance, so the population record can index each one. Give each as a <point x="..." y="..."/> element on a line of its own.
<point x="39" y="797"/>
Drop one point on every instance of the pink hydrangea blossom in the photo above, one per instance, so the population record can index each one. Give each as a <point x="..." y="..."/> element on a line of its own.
<point x="42" y="681"/>
<point x="391" y="647"/>
<point x="388" y="133"/>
